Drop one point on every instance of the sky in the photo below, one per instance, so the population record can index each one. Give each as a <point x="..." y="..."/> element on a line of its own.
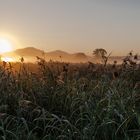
<point x="73" y="25"/>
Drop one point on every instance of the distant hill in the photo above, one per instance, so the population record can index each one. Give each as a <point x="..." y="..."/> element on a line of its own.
<point x="30" y="54"/>
<point x="30" y="51"/>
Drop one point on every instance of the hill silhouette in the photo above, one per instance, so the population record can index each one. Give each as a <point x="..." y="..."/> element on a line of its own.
<point x="30" y="54"/>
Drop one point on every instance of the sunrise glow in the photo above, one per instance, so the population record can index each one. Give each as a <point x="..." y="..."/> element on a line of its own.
<point x="7" y="59"/>
<point x="5" y="46"/>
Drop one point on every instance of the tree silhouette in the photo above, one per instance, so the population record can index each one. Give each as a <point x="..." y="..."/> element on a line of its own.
<point x="101" y="55"/>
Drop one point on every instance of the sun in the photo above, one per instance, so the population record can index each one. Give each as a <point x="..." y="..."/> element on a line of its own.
<point x="5" y="46"/>
<point x="7" y="59"/>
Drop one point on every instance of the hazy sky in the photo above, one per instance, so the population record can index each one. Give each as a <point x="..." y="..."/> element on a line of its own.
<point x="73" y="25"/>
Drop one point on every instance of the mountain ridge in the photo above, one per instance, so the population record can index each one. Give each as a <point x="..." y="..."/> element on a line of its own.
<point x="30" y="53"/>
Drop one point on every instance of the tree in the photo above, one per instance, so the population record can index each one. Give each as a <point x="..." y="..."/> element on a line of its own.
<point x="101" y="55"/>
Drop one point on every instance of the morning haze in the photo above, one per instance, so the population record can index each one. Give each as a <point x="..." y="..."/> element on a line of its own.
<point x="73" y="25"/>
<point x="69" y="70"/>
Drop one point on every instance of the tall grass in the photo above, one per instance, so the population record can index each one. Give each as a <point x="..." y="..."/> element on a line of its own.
<point x="67" y="101"/>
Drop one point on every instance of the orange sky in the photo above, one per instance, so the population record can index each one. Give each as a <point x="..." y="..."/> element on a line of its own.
<point x="73" y="25"/>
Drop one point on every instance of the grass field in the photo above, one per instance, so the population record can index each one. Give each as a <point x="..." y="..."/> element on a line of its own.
<point x="62" y="101"/>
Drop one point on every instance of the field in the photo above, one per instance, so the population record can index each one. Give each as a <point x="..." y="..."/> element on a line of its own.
<point x="62" y="101"/>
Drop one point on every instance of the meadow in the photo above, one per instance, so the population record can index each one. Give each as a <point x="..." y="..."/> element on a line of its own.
<point x="64" y="101"/>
